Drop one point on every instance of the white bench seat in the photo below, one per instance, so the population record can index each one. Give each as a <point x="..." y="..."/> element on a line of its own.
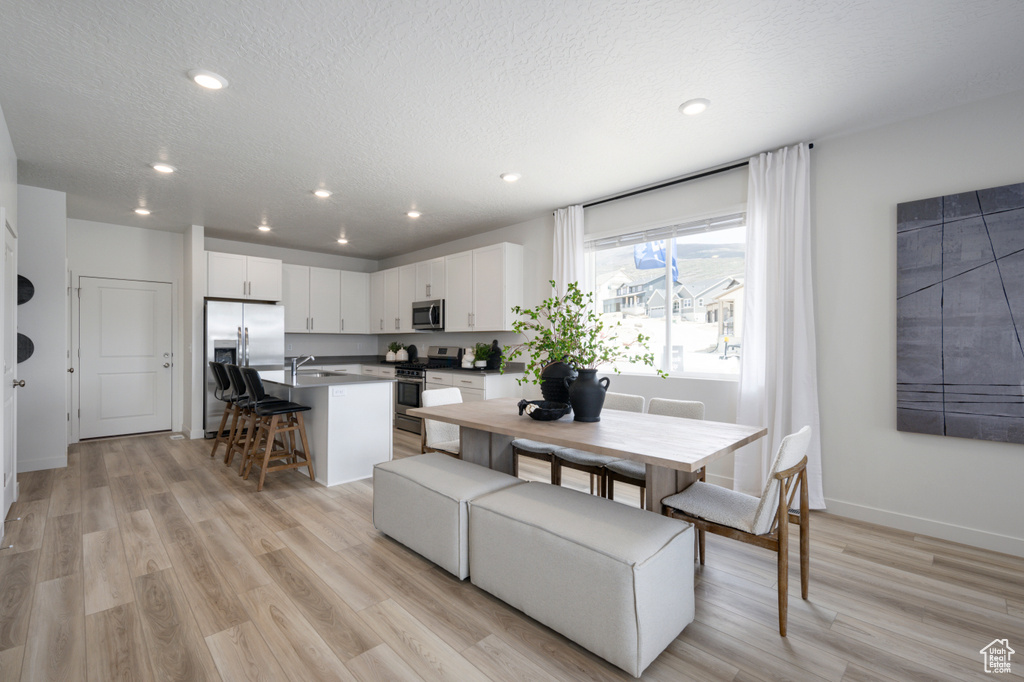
<point x="614" y="579"/>
<point x="422" y="502"/>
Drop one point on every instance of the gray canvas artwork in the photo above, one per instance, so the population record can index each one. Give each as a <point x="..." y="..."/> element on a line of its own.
<point x="960" y="315"/>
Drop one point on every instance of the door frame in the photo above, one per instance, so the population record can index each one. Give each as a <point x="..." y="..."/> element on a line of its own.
<point x="5" y="504"/>
<point x="75" y="348"/>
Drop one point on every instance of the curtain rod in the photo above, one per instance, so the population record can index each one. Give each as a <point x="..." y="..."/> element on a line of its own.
<point x="679" y="181"/>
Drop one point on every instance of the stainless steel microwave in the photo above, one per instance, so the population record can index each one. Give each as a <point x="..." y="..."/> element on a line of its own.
<point x="428" y="315"/>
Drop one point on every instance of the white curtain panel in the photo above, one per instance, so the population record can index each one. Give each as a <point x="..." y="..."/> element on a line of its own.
<point x="778" y="380"/>
<point x="568" y="250"/>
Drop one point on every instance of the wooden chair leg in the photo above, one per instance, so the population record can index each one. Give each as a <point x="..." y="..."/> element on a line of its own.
<point x="556" y="471"/>
<point x="609" y="488"/>
<point x="783" y="550"/>
<point x="235" y="437"/>
<point x="305" y="445"/>
<point x="643" y="497"/>
<point x="591" y="484"/>
<point x="700" y="546"/>
<point x="805" y="536"/>
<point x="253" y="437"/>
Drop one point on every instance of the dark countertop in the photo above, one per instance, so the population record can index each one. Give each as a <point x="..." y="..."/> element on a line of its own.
<point x="284" y="378"/>
<point x="321" y="360"/>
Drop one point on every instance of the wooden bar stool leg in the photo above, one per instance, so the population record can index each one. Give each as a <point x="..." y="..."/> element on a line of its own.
<point x="305" y="445"/>
<point x="220" y="431"/>
<point x="271" y="437"/>
<point x="234" y="436"/>
<point x="252" y="436"/>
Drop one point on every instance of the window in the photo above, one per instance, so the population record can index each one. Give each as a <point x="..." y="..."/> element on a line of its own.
<point x="702" y="261"/>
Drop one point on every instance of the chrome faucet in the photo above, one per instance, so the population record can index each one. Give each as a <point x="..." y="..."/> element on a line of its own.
<point x="296" y="363"/>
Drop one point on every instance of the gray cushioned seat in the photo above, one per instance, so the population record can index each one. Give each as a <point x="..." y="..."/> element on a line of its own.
<point x="533" y="446"/>
<point x="628" y="468"/>
<point x="614" y="579"/>
<point x="583" y="457"/>
<point x="422" y="502"/>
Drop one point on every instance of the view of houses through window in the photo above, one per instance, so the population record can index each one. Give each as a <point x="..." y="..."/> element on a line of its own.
<point x="694" y="325"/>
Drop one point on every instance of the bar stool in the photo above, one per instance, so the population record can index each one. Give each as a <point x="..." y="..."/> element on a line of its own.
<point x="223" y="393"/>
<point x="274" y="418"/>
<point x="244" y="424"/>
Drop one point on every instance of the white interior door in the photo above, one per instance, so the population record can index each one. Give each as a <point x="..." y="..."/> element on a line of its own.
<point x="125" y="339"/>
<point x="9" y="290"/>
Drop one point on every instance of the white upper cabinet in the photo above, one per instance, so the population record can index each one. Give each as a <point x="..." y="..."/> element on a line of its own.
<point x="324" y="301"/>
<point x="391" y="321"/>
<point x="481" y="286"/>
<point x="295" y="295"/>
<point x="229" y="275"/>
<point x="406" y="296"/>
<point x="429" y="280"/>
<point x="458" y="271"/>
<point x="378" y="311"/>
<point x="355" y="303"/>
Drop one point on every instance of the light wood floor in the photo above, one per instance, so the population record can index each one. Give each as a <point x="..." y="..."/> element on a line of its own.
<point x="145" y="559"/>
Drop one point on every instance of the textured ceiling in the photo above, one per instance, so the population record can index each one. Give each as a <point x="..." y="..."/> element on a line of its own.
<point x="423" y="103"/>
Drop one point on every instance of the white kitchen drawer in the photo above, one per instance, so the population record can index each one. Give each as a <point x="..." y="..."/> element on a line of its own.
<point x="371" y="370"/>
<point x="387" y="372"/>
<point x="478" y="381"/>
<point x="472" y="395"/>
<point x="441" y="378"/>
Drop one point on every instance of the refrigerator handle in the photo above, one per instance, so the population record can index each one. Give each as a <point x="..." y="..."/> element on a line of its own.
<point x="239" y="358"/>
<point x="246" y="346"/>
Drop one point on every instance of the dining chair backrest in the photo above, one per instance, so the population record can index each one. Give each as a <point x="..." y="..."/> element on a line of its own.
<point x="253" y="384"/>
<point x="440" y="432"/>
<point x="220" y="377"/>
<point x="685" y="409"/>
<point x="791" y="450"/>
<point x="624" y="402"/>
<point x="237" y="383"/>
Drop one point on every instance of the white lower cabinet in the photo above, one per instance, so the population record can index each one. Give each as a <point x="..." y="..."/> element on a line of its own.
<point x="476" y="387"/>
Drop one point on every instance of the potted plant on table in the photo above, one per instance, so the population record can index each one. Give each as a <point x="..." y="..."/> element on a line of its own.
<point x="567" y="329"/>
<point x="482" y="353"/>
<point x="393" y="350"/>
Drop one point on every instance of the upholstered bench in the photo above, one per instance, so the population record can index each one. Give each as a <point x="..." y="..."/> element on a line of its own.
<point x="616" y="580"/>
<point x="422" y="502"/>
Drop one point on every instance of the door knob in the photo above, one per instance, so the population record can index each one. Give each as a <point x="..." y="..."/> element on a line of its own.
<point x="71" y="370"/>
<point x="167" y="364"/>
<point x="19" y="384"/>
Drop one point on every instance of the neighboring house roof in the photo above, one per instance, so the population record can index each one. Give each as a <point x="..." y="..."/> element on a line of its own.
<point x="730" y="291"/>
<point x="706" y="285"/>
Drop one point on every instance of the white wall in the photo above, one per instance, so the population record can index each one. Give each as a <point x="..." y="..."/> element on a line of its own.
<point x="295" y="256"/>
<point x="194" y="361"/>
<point x="121" y="252"/>
<point x="9" y="210"/>
<point x="42" y="253"/>
<point x="963" y="490"/>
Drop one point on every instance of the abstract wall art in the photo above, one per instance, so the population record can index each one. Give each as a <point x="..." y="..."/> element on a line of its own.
<point x="960" y="315"/>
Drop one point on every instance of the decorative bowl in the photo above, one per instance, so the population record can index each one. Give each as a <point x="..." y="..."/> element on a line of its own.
<point x="544" y="410"/>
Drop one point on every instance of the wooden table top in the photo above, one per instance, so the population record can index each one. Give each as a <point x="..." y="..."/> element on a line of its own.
<point x="683" y="444"/>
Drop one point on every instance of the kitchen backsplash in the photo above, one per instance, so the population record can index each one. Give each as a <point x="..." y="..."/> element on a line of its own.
<point x="459" y="339"/>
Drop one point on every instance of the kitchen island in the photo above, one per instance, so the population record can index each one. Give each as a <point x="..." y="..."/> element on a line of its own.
<point x="349" y="425"/>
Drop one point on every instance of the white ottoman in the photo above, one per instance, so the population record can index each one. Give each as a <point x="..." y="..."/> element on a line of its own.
<point x="422" y="502"/>
<point x="614" y="579"/>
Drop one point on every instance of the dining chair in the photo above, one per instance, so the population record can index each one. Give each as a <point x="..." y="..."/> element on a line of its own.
<point x="438" y="436"/>
<point x="591" y="462"/>
<point x="763" y="521"/>
<point x="635" y="473"/>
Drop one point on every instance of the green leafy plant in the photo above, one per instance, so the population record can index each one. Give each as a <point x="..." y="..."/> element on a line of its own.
<point x="394" y="346"/>
<point x="482" y="351"/>
<point x="568" y="329"/>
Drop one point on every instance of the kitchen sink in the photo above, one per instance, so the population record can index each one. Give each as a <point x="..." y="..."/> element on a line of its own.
<point x="319" y="373"/>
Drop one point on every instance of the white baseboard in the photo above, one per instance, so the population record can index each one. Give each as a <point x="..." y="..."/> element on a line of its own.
<point x="938" y="529"/>
<point x="58" y="462"/>
<point x="192" y="435"/>
<point x="723" y="481"/>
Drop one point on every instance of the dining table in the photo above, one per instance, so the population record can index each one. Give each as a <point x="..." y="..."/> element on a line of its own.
<point x="674" y="450"/>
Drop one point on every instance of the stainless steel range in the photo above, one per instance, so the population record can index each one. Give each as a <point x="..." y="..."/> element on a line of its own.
<point x="411" y="379"/>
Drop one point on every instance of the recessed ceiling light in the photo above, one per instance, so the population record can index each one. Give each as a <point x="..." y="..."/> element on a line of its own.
<point x="510" y="177"/>
<point x="160" y="167"/>
<point x="143" y="211"/>
<point x="343" y="241"/>
<point x="264" y="228"/>
<point x="694" y="106"/>
<point x="322" y="193"/>
<point x="208" y="79"/>
<point x="414" y="214"/>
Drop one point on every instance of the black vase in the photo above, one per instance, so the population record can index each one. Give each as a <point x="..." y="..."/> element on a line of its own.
<point x="494" y="359"/>
<point x="552" y="381"/>
<point x="586" y="395"/>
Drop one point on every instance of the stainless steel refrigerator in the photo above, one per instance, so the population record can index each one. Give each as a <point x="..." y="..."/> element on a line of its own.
<point x="239" y="334"/>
